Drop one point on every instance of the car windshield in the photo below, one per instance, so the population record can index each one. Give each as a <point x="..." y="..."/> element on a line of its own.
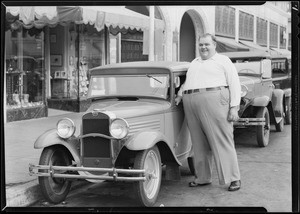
<point x="279" y="68"/>
<point x="155" y="85"/>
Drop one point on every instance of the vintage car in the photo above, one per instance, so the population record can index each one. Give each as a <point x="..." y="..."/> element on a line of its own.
<point x="261" y="104"/>
<point x="131" y="130"/>
<point x="281" y="75"/>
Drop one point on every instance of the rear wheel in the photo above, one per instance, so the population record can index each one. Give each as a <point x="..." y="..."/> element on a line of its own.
<point x="280" y="126"/>
<point x="288" y="114"/>
<point x="147" y="191"/>
<point x="55" y="190"/>
<point x="263" y="131"/>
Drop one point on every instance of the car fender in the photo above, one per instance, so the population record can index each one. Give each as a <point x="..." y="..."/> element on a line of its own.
<point x="277" y="102"/>
<point x="261" y="101"/>
<point x="147" y="139"/>
<point x="50" y="138"/>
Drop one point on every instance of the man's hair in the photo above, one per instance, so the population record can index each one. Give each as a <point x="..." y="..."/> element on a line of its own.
<point x="208" y="35"/>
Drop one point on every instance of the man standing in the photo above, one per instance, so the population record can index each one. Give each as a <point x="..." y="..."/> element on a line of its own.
<point x="211" y="96"/>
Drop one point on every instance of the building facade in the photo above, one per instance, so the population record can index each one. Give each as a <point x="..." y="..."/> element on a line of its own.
<point x="49" y="51"/>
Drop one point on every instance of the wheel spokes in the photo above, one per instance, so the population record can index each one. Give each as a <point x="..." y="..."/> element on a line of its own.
<point x="152" y="173"/>
<point x="57" y="184"/>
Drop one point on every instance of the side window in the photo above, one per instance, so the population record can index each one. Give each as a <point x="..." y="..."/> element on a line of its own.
<point x="182" y="80"/>
<point x="279" y="68"/>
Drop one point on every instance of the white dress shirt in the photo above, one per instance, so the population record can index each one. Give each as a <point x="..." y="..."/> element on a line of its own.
<point x="216" y="71"/>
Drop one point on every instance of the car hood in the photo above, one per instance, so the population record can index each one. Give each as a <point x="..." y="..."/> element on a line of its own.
<point x="127" y="109"/>
<point x="249" y="81"/>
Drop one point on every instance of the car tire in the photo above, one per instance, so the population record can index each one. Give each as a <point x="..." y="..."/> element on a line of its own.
<point x="280" y="126"/>
<point x="263" y="131"/>
<point x="288" y="114"/>
<point x="147" y="191"/>
<point x="55" y="190"/>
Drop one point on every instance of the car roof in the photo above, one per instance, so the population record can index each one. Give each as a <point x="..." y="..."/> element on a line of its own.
<point x="281" y="56"/>
<point x="247" y="54"/>
<point x="166" y="67"/>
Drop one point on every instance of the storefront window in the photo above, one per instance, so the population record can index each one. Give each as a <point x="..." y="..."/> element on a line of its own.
<point x="85" y="50"/>
<point x="25" y="71"/>
<point x="132" y="47"/>
<point x="91" y="51"/>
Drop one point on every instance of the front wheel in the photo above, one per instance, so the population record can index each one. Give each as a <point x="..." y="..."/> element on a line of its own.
<point x="147" y="191"/>
<point x="263" y="131"/>
<point x="55" y="190"/>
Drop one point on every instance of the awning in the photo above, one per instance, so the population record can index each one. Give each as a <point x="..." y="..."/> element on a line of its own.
<point x="119" y="16"/>
<point x="253" y="45"/>
<point x="229" y="45"/>
<point x="115" y="16"/>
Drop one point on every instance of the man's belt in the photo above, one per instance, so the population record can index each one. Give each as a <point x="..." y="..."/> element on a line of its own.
<point x="203" y="89"/>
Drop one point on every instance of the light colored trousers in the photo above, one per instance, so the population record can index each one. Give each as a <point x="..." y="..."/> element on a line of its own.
<point x="212" y="135"/>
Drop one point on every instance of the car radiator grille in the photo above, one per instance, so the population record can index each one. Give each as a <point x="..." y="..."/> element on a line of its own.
<point x="96" y="146"/>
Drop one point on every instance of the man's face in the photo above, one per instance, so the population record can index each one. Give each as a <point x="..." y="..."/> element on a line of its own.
<point x="207" y="47"/>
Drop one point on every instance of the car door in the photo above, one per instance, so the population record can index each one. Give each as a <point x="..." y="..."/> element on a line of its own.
<point x="176" y="124"/>
<point x="267" y="85"/>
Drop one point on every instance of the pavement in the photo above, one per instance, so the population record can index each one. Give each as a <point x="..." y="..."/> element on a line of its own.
<point x="22" y="190"/>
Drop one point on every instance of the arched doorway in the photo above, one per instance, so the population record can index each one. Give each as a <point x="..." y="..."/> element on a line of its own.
<point x="190" y="28"/>
<point x="187" y="39"/>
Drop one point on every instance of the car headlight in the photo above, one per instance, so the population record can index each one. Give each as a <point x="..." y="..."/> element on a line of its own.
<point x="65" y="128"/>
<point x="119" y="128"/>
<point x="244" y="90"/>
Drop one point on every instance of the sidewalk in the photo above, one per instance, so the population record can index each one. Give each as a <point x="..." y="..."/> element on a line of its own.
<point x="19" y="136"/>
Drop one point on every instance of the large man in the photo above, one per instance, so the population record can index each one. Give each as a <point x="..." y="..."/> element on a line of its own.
<point x="211" y="96"/>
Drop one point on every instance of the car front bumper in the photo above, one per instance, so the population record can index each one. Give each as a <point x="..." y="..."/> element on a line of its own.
<point x="66" y="172"/>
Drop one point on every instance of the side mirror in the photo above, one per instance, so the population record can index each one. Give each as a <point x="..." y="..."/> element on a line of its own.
<point x="266" y="69"/>
<point x="177" y="82"/>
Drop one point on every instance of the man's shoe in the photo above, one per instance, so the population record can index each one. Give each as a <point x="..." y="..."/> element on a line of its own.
<point x="194" y="184"/>
<point x="235" y="185"/>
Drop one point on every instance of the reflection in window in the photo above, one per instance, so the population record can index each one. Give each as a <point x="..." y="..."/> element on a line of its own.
<point x="130" y="85"/>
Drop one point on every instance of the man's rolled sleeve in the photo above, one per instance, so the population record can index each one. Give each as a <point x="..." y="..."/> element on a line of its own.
<point x="233" y="83"/>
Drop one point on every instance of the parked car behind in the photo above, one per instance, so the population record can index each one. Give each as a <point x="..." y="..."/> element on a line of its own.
<point x="261" y="104"/>
<point x="132" y="128"/>
<point x="281" y="75"/>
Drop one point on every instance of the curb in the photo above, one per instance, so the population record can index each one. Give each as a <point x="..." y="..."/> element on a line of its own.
<point x="29" y="193"/>
<point x="22" y="195"/>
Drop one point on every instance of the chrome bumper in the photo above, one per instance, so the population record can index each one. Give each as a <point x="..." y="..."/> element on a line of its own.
<point x="60" y="172"/>
<point x="250" y="122"/>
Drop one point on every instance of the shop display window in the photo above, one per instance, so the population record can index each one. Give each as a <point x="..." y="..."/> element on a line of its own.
<point x="85" y="50"/>
<point x="25" y="71"/>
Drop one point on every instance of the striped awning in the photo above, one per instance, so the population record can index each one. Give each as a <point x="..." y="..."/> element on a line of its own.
<point x="98" y="16"/>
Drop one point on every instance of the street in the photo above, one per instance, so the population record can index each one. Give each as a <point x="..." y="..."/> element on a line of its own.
<point x="265" y="176"/>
